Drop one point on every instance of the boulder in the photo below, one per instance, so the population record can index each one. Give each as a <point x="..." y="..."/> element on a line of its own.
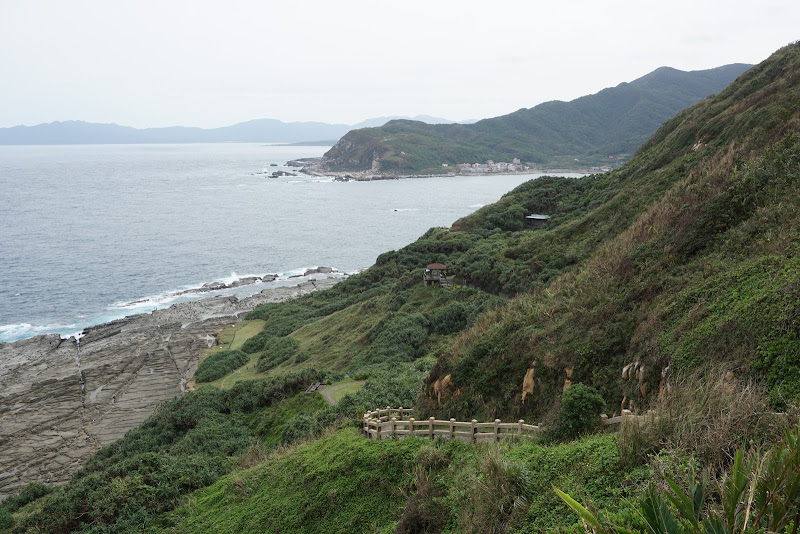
<point x="213" y="286"/>
<point x="319" y="270"/>
<point x="245" y="281"/>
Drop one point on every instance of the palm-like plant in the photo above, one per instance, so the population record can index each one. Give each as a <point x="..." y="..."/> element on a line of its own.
<point x="756" y="497"/>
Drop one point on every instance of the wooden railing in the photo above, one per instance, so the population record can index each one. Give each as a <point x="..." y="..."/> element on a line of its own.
<point x="397" y="423"/>
<point x="627" y="415"/>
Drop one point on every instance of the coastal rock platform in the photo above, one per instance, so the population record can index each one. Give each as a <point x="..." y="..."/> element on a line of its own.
<point x="63" y="399"/>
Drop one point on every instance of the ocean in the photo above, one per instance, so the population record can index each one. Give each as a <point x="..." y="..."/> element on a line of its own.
<point x="92" y="233"/>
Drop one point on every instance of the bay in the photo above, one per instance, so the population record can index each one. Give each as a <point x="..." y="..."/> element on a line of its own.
<point x="91" y="233"/>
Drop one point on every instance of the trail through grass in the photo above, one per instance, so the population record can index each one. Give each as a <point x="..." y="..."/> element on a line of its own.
<point x="335" y="392"/>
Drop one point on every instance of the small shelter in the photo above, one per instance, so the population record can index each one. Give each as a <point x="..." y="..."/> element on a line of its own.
<point x="536" y="221"/>
<point x="435" y="273"/>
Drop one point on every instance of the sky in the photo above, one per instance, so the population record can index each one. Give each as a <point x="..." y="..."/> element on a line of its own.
<point x="204" y="63"/>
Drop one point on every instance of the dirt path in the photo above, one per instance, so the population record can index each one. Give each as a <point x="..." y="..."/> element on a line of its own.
<point x="328" y="391"/>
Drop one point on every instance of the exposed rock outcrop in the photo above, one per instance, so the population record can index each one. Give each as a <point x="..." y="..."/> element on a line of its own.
<point x="62" y="399"/>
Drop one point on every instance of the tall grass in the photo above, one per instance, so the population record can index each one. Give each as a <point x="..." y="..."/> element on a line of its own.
<point x="709" y="412"/>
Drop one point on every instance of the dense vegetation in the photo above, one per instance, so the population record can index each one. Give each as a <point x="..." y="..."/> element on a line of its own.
<point x="219" y="364"/>
<point x="189" y="443"/>
<point x="614" y="121"/>
<point x="770" y="487"/>
<point x="686" y="256"/>
<point x="671" y="284"/>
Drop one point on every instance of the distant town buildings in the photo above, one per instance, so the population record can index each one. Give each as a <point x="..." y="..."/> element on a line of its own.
<point x="491" y="166"/>
<point x="516" y="166"/>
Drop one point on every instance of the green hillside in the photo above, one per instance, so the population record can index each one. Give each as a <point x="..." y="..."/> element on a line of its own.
<point x="615" y="121"/>
<point x="672" y="283"/>
<point x="690" y="257"/>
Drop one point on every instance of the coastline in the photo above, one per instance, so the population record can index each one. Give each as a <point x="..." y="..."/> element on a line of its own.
<point x="242" y="287"/>
<point x="61" y="399"/>
<point x="316" y="167"/>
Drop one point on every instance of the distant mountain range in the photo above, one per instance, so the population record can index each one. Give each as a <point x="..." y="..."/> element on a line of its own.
<point x="254" y="131"/>
<point x="614" y="121"/>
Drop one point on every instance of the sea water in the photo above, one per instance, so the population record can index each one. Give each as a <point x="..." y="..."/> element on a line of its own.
<point x="91" y="233"/>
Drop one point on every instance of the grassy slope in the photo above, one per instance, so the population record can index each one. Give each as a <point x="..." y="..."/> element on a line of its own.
<point x="691" y="257"/>
<point x="319" y="488"/>
<point x="614" y="121"/>
<point x="397" y="324"/>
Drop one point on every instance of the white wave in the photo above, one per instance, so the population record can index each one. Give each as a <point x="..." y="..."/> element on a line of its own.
<point x="300" y="271"/>
<point x="476" y="206"/>
<point x="405" y="209"/>
<point x="236" y="277"/>
<point x="10" y="329"/>
<point x="152" y="301"/>
<point x="13" y="332"/>
<point x="120" y="309"/>
<point x="190" y="292"/>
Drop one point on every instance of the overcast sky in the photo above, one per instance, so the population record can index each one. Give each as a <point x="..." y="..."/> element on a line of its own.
<point x="211" y="63"/>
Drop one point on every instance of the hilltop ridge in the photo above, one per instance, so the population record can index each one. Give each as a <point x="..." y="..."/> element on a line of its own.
<point x="614" y="121"/>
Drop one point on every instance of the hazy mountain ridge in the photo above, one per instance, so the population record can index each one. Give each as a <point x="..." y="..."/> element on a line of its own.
<point x="253" y="131"/>
<point x="613" y="121"/>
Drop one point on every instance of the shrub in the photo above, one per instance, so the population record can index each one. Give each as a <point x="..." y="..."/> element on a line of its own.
<point x="219" y="364"/>
<point x="276" y="351"/>
<point x="512" y="218"/>
<point x="257" y="342"/>
<point x="424" y="510"/>
<point x="301" y="357"/>
<point x="248" y="395"/>
<point x="497" y="498"/>
<point x="27" y="494"/>
<point x="449" y="319"/>
<point x="398" y="337"/>
<point x="300" y="426"/>
<point x="579" y="413"/>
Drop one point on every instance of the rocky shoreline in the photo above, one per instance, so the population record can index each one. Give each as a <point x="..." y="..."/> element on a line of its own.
<point x="63" y="399"/>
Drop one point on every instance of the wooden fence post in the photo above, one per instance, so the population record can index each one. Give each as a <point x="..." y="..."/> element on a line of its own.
<point x="496" y="430"/>
<point x="401" y="413"/>
<point x="378" y="429"/>
<point x="394" y="427"/>
<point x="519" y="425"/>
<point x="430" y="428"/>
<point x="452" y="428"/>
<point x="474" y="430"/>
<point x="411" y="426"/>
